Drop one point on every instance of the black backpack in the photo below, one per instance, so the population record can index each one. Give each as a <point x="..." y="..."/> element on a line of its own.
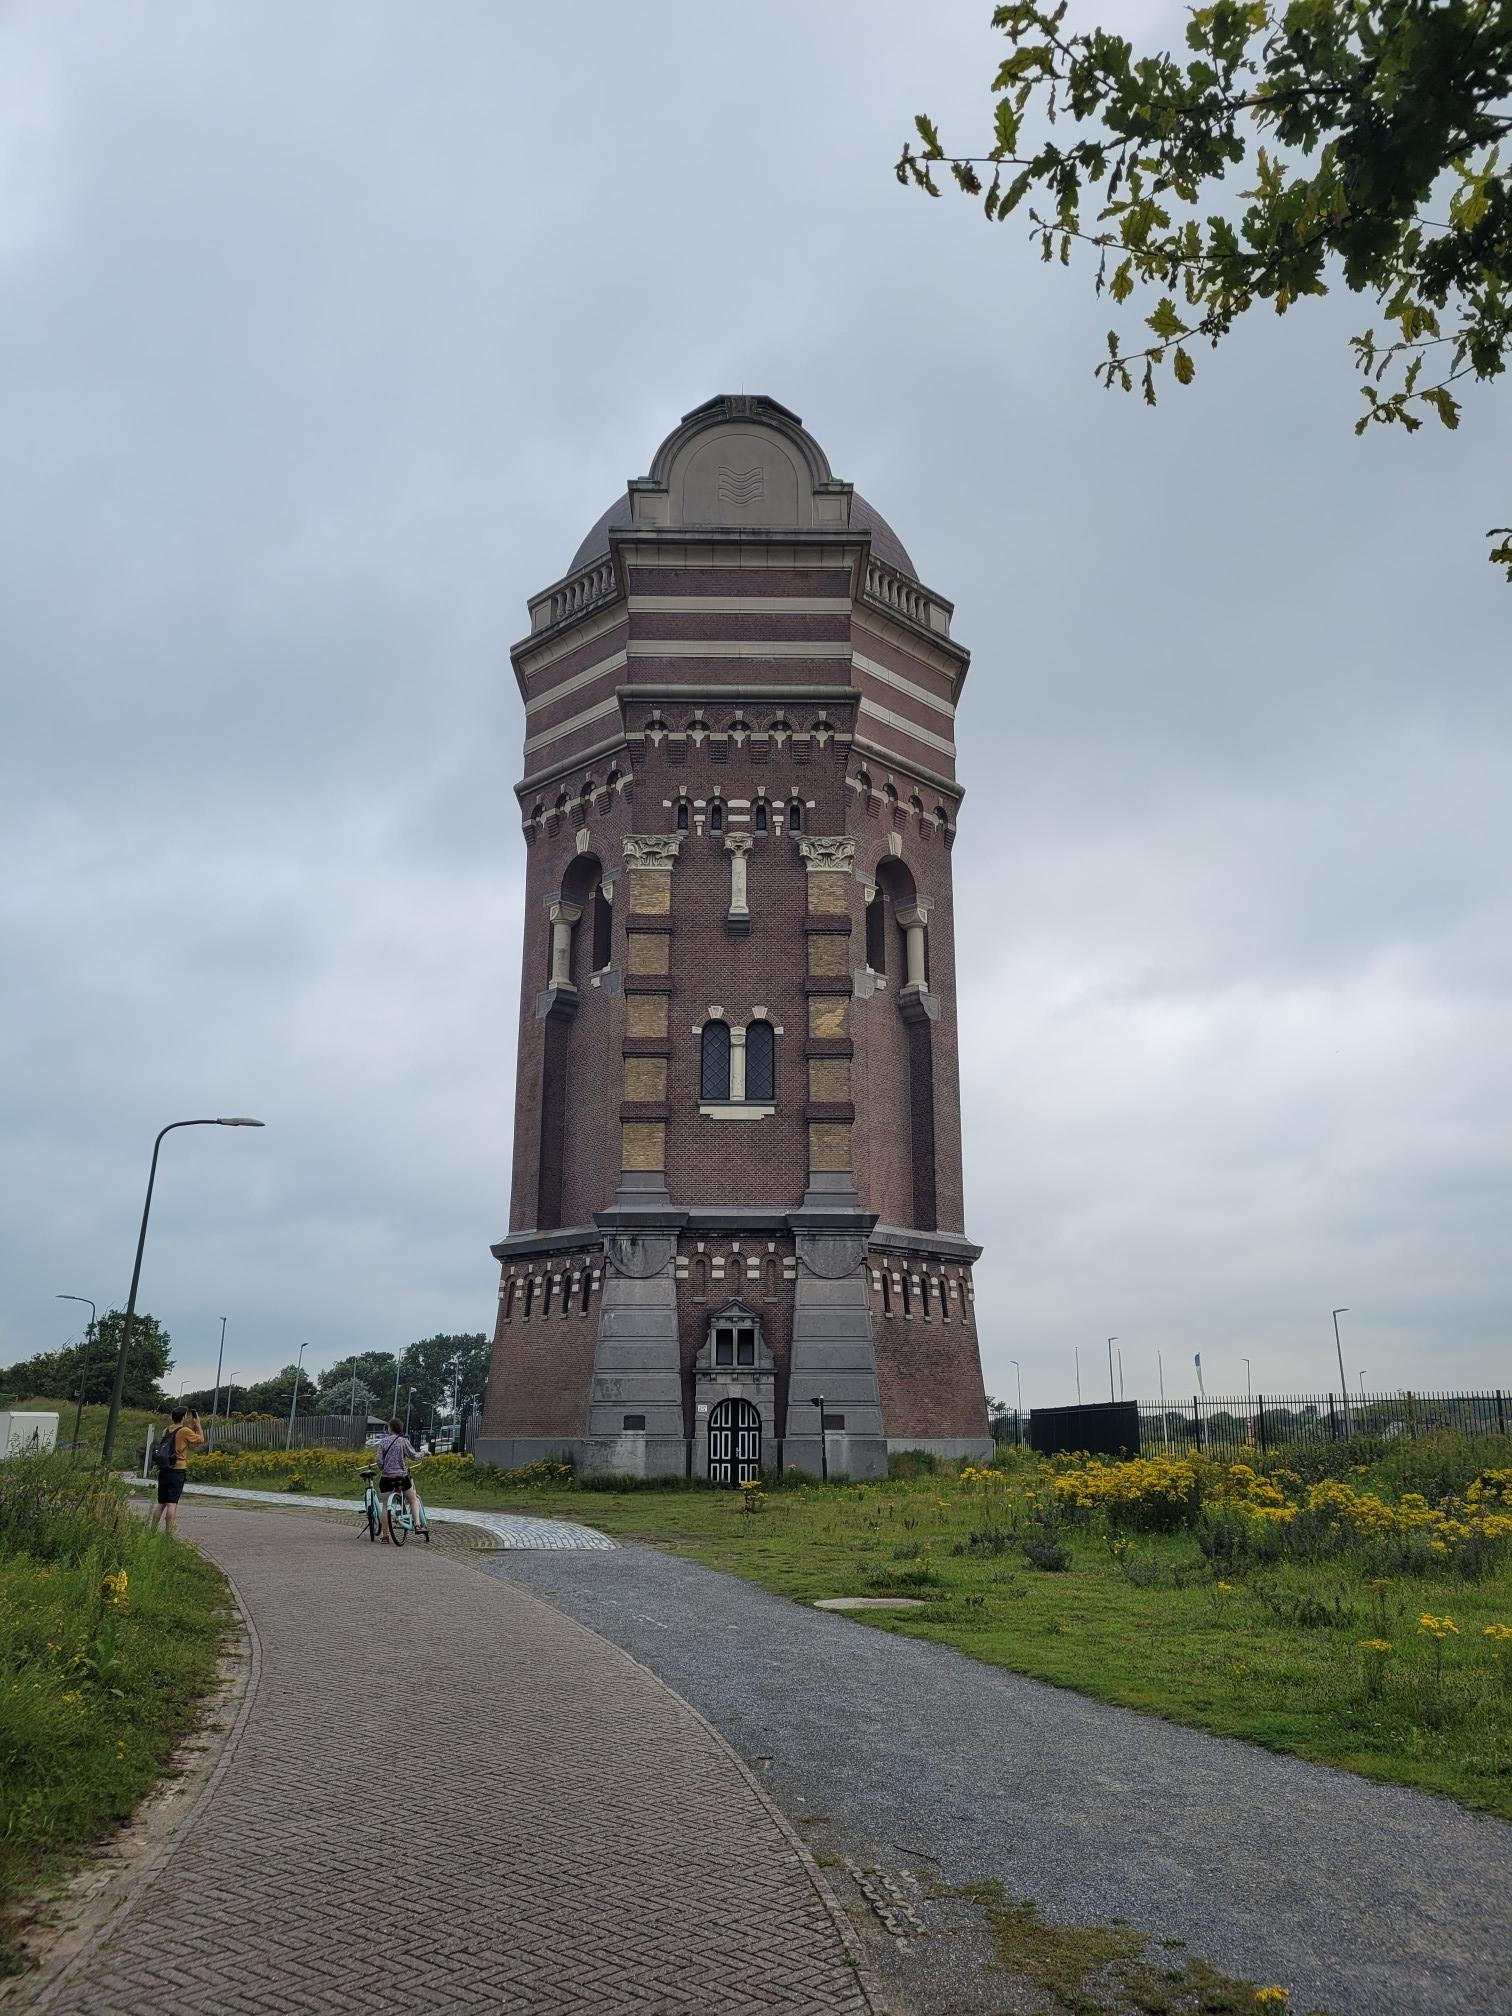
<point x="165" y="1455"/>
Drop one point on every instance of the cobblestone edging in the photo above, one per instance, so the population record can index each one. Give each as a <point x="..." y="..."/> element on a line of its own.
<point x="510" y="1529"/>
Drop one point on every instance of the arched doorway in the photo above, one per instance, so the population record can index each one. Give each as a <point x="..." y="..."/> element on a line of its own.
<point x="734" y="1443"/>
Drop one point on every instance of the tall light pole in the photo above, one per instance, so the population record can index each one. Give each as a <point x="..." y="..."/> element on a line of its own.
<point x="220" y="1359"/>
<point x="294" y="1402"/>
<point x="1343" y="1382"/>
<point x="1076" y="1354"/>
<point x="230" y="1394"/>
<point x="83" y="1361"/>
<point x="119" y="1387"/>
<point x="1018" y="1411"/>
<point x="1111" y="1394"/>
<point x="397" y="1376"/>
<point x="409" y="1402"/>
<point x="1362" y="1386"/>
<point x="1249" y="1391"/>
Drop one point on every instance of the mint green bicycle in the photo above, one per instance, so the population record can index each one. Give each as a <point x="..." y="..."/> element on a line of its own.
<point x="402" y="1521"/>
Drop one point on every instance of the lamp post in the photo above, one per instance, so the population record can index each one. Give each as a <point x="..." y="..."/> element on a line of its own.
<point x="1111" y="1394"/>
<point x="397" y="1375"/>
<point x="1249" y="1391"/>
<point x="409" y="1402"/>
<point x="119" y="1386"/>
<point x="294" y="1401"/>
<point x="818" y="1401"/>
<point x="230" y="1395"/>
<point x="1018" y="1408"/>
<point x="1343" y="1382"/>
<point x="1076" y="1354"/>
<point x="83" y="1362"/>
<point x="1362" y="1387"/>
<point x="220" y="1359"/>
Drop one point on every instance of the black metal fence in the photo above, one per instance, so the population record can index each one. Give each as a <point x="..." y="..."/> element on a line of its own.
<point x="1263" y="1423"/>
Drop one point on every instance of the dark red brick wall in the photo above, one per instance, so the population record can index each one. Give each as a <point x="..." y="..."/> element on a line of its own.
<point x="929" y="1371"/>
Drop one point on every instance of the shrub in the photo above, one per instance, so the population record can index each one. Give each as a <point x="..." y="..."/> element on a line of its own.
<point x="1045" y="1551"/>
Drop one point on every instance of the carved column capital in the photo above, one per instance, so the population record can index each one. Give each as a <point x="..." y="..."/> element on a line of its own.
<point x="827" y="856"/>
<point x="653" y="850"/>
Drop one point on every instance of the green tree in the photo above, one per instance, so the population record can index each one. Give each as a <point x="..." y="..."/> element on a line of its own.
<point x="273" y="1395"/>
<point x="1371" y="131"/>
<point x="444" y="1370"/>
<point x="55" y="1375"/>
<point x="374" y="1372"/>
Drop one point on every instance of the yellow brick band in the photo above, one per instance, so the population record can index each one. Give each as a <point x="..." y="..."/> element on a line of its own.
<point x="829" y="1145"/>
<point x="650" y="952"/>
<point x="646" y="1015"/>
<point x="829" y="958"/>
<point x="651" y="891"/>
<point x="829" y="1080"/>
<point x="829" y="1015"/>
<point x="643" y="1144"/>
<point x="645" y="1080"/>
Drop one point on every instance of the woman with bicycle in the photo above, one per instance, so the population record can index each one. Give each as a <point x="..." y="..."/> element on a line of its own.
<point x="395" y="1453"/>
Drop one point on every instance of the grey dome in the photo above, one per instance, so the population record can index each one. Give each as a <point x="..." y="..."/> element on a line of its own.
<point x="864" y="517"/>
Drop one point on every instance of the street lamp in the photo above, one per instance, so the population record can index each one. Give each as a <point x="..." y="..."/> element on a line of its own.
<point x="409" y="1402"/>
<point x="1362" y="1386"/>
<point x="1111" y="1342"/>
<point x="1343" y="1382"/>
<point x="294" y="1402"/>
<point x="230" y="1396"/>
<point x="220" y="1359"/>
<point x="119" y="1387"/>
<point x="1249" y="1393"/>
<point x="83" y="1362"/>
<point x="818" y="1402"/>
<point x="1018" y="1409"/>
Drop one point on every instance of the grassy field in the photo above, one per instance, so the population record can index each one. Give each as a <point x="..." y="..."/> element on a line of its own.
<point x="1246" y="1617"/>
<point x="109" y="1643"/>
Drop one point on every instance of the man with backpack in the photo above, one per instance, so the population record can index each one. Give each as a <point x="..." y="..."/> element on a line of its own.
<point x="171" y="1458"/>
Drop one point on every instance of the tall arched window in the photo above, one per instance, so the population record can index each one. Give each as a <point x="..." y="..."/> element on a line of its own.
<point x="548" y="1283"/>
<point x="795" y="816"/>
<point x="876" y="932"/>
<point x="761" y="815"/>
<point x="603" y="929"/>
<point x="714" y="1064"/>
<point x="529" y="1293"/>
<point x="886" y="1293"/>
<point x="682" y="815"/>
<point x="587" y="1286"/>
<point x="761" y="1063"/>
<point x="716" y="815"/>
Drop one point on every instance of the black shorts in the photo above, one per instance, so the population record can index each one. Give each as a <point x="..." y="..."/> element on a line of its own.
<point x="394" y="1484"/>
<point x="171" y="1486"/>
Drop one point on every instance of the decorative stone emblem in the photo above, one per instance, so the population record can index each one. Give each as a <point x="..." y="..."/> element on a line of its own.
<point x="652" y="850"/>
<point x="827" y="856"/>
<point x="742" y="487"/>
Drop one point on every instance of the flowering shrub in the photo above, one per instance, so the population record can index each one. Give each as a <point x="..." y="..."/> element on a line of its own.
<point x="1150" y="1494"/>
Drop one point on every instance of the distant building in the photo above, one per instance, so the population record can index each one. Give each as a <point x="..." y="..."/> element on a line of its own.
<point x="737" y="1157"/>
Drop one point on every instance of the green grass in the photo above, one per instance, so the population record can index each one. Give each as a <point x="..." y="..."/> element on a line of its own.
<point x="94" y="1694"/>
<point x="131" y="1427"/>
<point x="1274" y="1658"/>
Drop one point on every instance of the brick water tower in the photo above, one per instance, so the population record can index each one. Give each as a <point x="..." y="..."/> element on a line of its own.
<point x="737" y="1218"/>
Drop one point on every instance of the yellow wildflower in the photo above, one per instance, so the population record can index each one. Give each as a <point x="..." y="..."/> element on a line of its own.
<point x="1380" y="1645"/>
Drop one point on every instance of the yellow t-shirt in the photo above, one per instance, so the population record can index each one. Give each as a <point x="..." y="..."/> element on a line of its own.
<point x="184" y="1439"/>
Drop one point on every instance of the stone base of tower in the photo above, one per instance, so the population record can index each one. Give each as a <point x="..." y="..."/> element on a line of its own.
<point x="664" y="1338"/>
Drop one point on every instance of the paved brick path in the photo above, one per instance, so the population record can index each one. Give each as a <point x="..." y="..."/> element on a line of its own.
<point x="573" y="1837"/>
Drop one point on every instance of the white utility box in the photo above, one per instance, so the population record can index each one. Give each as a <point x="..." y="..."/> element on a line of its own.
<point x="26" y="1434"/>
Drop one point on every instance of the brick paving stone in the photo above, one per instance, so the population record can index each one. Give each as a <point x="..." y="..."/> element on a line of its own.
<point x="446" y="1795"/>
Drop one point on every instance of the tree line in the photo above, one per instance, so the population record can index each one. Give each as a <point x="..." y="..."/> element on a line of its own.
<point x="447" y="1373"/>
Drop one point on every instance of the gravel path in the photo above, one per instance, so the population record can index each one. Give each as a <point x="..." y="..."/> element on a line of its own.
<point x="1369" y="1900"/>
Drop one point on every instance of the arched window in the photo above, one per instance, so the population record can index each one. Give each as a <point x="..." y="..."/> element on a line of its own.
<point x="761" y="1063"/>
<point x="924" y="1295"/>
<point x="529" y="1293"/>
<point x="907" y="1293"/>
<point x="700" y="1278"/>
<point x="603" y="929"/>
<point x="876" y="932"/>
<point x="761" y="815"/>
<point x="771" y="1277"/>
<point x="795" y="816"/>
<point x="716" y="815"/>
<point x="714" y="1064"/>
<point x="546" y="1287"/>
<point x="587" y="1286"/>
<point x="886" y="1293"/>
<point x="682" y="815"/>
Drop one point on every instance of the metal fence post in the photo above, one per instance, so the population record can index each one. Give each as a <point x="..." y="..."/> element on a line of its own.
<point x="1333" y="1419"/>
<point x="1501" y="1418"/>
<point x="1260" y="1406"/>
<point x="1196" y="1421"/>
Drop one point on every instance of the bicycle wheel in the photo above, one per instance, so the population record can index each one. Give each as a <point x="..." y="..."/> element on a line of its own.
<point x="370" y="1513"/>
<point x="398" y="1519"/>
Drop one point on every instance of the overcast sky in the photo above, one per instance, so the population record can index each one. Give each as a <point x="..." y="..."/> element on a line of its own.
<point x="325" y="332"/>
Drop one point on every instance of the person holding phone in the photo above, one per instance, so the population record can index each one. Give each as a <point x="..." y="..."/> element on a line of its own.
<point x="179" y="1440"/>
